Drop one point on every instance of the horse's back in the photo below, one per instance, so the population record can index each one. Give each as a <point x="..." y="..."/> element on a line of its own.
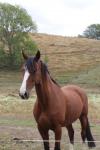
<point x="77" y="90"/>
<point x="76" y="100"/>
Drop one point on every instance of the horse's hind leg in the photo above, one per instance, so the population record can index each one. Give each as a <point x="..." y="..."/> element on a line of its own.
<point x="83" y="121"/>
<point x="86" y="132"/>
<point x="71" y="135"/>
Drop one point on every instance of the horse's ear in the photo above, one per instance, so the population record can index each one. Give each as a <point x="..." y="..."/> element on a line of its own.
<point x="24" y="55"/>
<point x="37" y="56"/>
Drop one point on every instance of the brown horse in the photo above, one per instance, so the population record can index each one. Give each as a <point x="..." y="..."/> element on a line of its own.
<point x="56" y="106"/>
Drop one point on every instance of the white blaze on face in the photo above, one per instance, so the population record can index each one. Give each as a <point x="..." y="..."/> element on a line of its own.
<point x="23" y="86"/>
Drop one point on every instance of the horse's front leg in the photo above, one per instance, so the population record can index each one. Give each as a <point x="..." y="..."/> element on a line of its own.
<point x="58" y="133"/>
<point x="45" y="135"/>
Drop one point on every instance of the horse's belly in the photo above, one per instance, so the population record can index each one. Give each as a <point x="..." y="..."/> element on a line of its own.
<point x="75" y="112"/>
<point x="74" y="106"/>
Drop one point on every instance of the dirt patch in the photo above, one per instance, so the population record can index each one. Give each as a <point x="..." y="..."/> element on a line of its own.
<point x="27" y="138"/>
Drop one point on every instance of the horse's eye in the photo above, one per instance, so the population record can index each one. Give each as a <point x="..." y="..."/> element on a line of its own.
<point x="33" y="71"/>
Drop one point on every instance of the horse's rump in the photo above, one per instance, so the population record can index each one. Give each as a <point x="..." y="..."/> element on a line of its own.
<point x="76" y="100"/>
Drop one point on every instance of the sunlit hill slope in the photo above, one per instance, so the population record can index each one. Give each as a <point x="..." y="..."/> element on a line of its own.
<point x="71" y="59"/>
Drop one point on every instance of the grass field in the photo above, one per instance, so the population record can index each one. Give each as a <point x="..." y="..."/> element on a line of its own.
<point x="70" y="60"/>
<point x="17" y="123"/>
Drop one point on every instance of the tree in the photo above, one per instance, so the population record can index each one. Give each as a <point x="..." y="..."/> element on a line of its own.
<point x="92" y="31"/>
<point x="15" y="24"/>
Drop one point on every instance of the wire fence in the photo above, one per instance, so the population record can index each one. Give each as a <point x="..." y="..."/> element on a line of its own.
<point x="51" y="141"/>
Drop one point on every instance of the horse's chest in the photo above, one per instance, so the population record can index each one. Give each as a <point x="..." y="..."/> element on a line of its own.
<point x="48" y="120"/>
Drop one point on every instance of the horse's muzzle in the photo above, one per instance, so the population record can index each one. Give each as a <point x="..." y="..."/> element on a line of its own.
<point x="24" y="96"/>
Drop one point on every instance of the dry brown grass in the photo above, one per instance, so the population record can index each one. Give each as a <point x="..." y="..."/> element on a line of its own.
<point x="68" y="53"/>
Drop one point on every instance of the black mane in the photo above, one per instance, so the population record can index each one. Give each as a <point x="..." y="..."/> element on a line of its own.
<point x="44" y="70"/>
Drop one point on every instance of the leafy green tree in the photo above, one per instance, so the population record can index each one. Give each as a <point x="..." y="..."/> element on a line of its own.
<point x="92" y="31"/>
<point x="15" y="25"/>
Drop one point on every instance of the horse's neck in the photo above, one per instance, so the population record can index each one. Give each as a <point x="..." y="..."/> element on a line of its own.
<point x="42" y="91"/>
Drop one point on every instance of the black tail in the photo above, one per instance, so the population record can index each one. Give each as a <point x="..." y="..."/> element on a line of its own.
<point x="89" y="136"/>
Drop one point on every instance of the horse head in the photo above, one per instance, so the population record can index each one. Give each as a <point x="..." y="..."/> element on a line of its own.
<point x="31" y="74"/>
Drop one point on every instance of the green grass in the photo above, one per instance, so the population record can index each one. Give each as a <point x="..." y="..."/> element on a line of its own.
<point x="11" y="121"/>
<point x="90" y="77"/>
<point x="16" y="105"/>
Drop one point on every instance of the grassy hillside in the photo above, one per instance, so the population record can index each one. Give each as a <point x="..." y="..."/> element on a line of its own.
<point x="70" y="58"/>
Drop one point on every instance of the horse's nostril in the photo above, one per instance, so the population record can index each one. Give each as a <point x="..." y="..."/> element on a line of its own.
<point x="26" y="95"/>
<point x="22" y="96"/>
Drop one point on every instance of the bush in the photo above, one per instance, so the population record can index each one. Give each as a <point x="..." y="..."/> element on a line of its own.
<point x="14" y="60"/>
